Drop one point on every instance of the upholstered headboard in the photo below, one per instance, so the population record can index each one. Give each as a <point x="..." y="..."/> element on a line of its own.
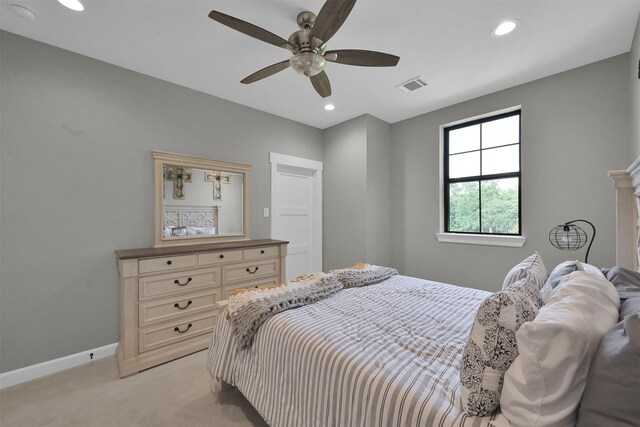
<point x="191" y="216"/>
<point x="627" y="185"/>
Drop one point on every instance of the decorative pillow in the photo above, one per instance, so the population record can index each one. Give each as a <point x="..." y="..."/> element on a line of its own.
<point x="626" y="281"/>
<point x="179" y="231"/>
<point x="492" y="344"/>
<point x="363" y="274"/>
<point x="611" y="395"/>
<point x="544" y="384"/>
<point x="532" y="266"/>
<point x="558" y="273"/>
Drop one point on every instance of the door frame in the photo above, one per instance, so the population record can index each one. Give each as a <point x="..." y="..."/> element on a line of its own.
<point x="316" y="168"/>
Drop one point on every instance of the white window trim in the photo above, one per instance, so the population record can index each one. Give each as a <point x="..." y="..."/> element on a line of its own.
<point x="472" y="239"/>
<point x="482" y="239"/>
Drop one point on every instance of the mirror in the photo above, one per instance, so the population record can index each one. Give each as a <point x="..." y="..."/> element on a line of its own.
<point x="199" y="200"/>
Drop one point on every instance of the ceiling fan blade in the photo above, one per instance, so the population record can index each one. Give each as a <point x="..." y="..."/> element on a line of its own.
<point x="266" y="72"/>
<point x="321" y="84"/>
<point x="330" y="18"/>
<point x="250" y="29"/>
<point x="364" y="58"/>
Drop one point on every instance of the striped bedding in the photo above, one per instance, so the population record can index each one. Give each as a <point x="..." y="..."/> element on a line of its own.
<point x="381" y="355"/>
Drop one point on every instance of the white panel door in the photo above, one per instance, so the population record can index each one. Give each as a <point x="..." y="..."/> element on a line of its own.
<point x="296" y="213"/>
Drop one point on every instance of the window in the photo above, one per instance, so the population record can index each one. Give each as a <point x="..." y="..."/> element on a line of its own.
<point x="481" y="171"/>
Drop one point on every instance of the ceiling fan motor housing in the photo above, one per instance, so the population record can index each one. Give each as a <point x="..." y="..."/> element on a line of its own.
<point x="300" y="41"/>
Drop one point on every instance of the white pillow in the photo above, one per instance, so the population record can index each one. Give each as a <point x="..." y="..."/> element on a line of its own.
<point x="548" y="288"/>
<point x="583" y="266"/>
<point x="544" y="384"/>
<point x="531" y="267"/>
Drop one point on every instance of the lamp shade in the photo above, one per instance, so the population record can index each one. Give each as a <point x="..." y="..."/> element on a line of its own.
<point x="571" y="237"/>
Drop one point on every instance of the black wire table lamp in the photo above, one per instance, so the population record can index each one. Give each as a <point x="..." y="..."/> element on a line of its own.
<point x="570" y="237"/>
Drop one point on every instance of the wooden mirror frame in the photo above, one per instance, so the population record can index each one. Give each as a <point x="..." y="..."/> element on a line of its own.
<point x="160" y="159"/>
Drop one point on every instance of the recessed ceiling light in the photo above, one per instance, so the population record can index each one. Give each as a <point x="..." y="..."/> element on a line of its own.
<point x="505" y="27"/>
<point x="329" y="107"/>
<point x="23" y="12"/>
<point x="72" y="4"/>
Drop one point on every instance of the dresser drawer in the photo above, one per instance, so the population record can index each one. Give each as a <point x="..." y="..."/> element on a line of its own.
<point x="259" y="253"/>
<point x="210" y="258"/>
<point x="250" y="270"/>
<point x="177" y="283"/>
<point x="228" y="289"/>
<point x="178" y="306"/>
<point x="170" y="332"/>
<point x="169" y="263"/>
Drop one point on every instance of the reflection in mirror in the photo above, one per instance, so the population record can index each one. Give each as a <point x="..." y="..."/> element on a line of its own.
<point x="199" y="200"/>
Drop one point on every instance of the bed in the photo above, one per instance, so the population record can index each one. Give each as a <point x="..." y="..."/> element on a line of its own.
<point x="387" y="354"/>
<point x="185" y="220"/>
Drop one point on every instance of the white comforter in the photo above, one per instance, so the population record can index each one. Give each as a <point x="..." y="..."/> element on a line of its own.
<point x="381" y="355"/>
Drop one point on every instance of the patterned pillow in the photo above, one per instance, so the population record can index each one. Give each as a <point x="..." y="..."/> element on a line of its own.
<point x="492" y="344"/>
<point x="363" y="274"/>
<point x="532" y="267"/>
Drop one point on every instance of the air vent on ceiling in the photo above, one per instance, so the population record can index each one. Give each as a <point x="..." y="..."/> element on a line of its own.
<point x="411" y="85"/>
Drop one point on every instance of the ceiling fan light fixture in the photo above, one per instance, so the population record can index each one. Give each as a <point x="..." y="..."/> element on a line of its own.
<point x="72" y="4"/>
<point x="505" y="27"/>
<point x="329" y="107"/>
<point x="307" y="63"/>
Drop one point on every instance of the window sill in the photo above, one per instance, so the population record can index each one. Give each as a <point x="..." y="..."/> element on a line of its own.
<point x="479" y="239"/>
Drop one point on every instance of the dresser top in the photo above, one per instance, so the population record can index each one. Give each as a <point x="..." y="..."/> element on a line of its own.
<point x="175" y="250"/>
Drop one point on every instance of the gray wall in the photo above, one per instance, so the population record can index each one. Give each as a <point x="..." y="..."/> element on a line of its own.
<point x="77" y="183"/>
<point x="379" y="209"/>
<point x="356" y="193"/>
<point x="575" y="128"/>
<point x="344" y="194"/>
<point x="634" y="76"/>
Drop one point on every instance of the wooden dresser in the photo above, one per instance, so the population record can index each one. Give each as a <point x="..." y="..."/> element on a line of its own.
<point x="169" y="295"/>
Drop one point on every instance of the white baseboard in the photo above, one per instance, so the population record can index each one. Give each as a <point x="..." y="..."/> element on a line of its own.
<point x="32" y="372"/>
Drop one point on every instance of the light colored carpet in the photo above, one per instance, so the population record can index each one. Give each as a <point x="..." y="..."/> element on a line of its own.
<point x="174" y="394"/>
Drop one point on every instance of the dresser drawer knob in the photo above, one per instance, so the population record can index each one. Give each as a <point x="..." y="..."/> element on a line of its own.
<point x="169" y="262"/>
<point x="262" y="251"/>
<point x="176" y="305"/>
<point x="177" y="282"/>
<point x="221" y="256"/>
<point x="251" y="272"/>
<point x="177" y="329"/>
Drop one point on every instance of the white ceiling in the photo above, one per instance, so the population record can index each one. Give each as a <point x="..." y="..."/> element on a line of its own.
<point x="447" y="43"/>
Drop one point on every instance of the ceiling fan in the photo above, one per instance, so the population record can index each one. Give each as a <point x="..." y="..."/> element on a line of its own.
<point x="308" y="45"/>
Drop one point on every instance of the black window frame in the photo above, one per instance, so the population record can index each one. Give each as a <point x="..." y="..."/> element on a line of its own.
<point x="480" y="178"/>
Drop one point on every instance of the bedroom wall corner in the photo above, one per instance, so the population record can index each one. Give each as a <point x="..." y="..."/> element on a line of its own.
<point x="379" y="209"/>
<point x="634" y="76"/>
<point x="344" y="194"/>
<point x="356" y="193"/>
